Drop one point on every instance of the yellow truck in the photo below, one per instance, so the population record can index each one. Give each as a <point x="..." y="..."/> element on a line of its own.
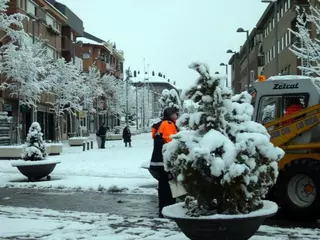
<point x="297" y="190"/>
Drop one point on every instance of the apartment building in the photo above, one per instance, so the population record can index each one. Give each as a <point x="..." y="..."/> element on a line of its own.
<point x="109" y="60"/>
<point x="263" y="44"/>
<point x="45" y="21"/>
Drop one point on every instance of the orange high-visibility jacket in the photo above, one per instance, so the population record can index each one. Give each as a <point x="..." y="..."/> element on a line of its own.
<point x="167" y="128"/>
<point x="154" y="129"/>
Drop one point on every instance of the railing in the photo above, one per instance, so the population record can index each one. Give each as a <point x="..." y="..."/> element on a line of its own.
<point x="300" y="3"/>
<point x="67" y="45"/>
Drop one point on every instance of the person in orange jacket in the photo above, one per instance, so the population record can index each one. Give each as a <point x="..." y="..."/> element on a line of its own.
<point x="294" y="105"/>
<point x="167" y="127"/>
<point x="154" y="129"/>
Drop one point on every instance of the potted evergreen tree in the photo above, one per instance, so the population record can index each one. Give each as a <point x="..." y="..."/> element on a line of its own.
<point x="34" y="164"/>
<point x="224" y="161"/>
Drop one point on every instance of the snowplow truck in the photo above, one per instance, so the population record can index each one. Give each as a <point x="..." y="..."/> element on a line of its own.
<point x="289" y="107"/>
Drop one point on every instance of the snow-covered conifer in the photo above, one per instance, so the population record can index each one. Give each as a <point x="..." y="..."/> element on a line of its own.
<point x="34" y="148"/>
<point x="224" y="160"/>
<point x="169" y="98"/>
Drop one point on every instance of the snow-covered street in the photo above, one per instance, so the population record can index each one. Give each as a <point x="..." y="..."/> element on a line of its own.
<point x="115" y="168"/>
<point x="32" y="223"/>
<point x="112" y="169"/>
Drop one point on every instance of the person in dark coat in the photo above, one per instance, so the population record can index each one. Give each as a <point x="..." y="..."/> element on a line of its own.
<point x="126" y="135"/>
<point x="164" y="129"/>
<point x="102" y="134"/>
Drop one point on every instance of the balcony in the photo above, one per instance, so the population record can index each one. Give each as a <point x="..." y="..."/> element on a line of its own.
<point x="101" y="65"/>
<point x="111" y="67"/>
<point x="67" y="46"/>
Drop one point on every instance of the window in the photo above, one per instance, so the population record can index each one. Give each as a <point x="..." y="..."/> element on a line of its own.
<point x="286" y="39"/>
<point x="278" y="16"/>
<point x="281" y="11"/>
<point x="270" y="26"/>
<point x="22" y="4"/>
<point x="50" y="20"/>
<point x="273" y="23"/>
<point x="274" y="51"/>
<point x="51" y="52"/>
<point x="289" y="4"/>
<point x="269" y="109"/>
<point x="289" y="37"/>
<point x="282" y="43"/>
<point x="273" y="107"/>
<point x="72" y="36"/>
<point x="266" y="57"/>
<point x="286" y="6"/>
<point x="270" y="56"/>
<point x="31" y="8"/>
<point x="86" y="55"/>
<point x="278" y="46"/>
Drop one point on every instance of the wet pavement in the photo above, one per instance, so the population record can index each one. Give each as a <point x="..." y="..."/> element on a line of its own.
<point x="97" y="202"/>
<point x="103" y="202"/>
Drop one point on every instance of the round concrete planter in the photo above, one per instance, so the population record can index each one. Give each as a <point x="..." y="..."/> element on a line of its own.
<point x="220" y="227"/>
<point x="35" y="170"/>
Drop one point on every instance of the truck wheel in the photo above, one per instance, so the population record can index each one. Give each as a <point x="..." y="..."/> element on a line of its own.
<point x="298" y="189"/>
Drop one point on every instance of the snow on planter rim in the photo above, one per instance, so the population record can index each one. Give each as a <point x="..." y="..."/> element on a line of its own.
<point x="177" y="211"/>
<point x="17" y="163"/>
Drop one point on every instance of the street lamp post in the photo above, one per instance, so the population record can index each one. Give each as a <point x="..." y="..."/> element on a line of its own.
<point x="129" y="75"/>
<point x="226" y="65"/>
<point x="241" y="30"/>
<point x="137" y="123"/>
<point x="275" y="13"/>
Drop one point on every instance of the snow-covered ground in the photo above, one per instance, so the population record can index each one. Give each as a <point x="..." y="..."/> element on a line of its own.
<point x="115" y="167"/>
<point x="101" y="169"/>
<point x="31" y="223"/>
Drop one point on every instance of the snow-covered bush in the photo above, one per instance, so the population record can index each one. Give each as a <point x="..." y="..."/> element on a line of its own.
<point x="224" y="160"/>
<point x="34" y="148"/>
<point x="169" y="98"/>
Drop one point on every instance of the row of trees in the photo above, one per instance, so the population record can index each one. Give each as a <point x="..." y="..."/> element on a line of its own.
<point x="28" y="73"/>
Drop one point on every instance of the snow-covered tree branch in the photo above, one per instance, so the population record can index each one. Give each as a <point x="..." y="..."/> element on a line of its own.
<point x="67" y="89"/>
<point x="6" y="21"/>
<point x="25" y="69"/>
<point x="93" y="87"/>
<point x="307" y="48"/>
<point x="169" y="98"/>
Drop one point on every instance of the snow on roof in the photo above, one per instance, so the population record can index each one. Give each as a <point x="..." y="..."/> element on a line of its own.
<point x="152" y="79"/>
<point x="288" y="77"/>
<point x="88" y="41"/>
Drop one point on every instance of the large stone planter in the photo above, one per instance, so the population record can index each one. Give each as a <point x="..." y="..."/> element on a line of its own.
<point x="114" y="137"/>
<point x="77" y="141"/>
<point x="11" y="152"/>
<point x="219" y="226"/>
<point x="55" y="148"/>
<point x="35" y="170"/>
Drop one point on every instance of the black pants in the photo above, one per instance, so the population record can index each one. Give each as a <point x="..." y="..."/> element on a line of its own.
<point x="127" y="143"/>
<point x="103" y="140"/>
<point x="164" y="191"/>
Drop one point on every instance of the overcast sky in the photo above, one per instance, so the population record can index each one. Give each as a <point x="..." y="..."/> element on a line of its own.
<point x="170" y="34"/>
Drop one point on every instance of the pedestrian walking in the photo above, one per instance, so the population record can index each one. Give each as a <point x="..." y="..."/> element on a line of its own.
<point x="166" y="128"/>
<point x="102" y="135"/>
<point x="126" y="135"/>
